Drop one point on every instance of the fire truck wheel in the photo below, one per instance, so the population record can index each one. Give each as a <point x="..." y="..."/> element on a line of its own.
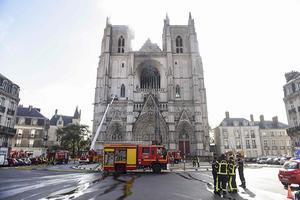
<point x="156" y="168"/>
<point x="120" y="169"/>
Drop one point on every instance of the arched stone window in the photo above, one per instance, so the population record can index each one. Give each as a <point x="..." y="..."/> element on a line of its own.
<point x="122" y="91"/>
<point x="179" y="46"/>
<point x="121" y="45"/>
<point x="150" y="78"/>
<point x="177" y="95"/>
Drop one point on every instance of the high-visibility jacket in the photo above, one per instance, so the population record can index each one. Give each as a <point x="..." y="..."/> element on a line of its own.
<point x="232" y="168"/>
<point x="223" y="167"/>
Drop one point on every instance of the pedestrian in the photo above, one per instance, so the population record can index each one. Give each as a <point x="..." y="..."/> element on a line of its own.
<point x="194" y="161"/>
<point x="222" y="173"/>
<point x="198" y="161"/>
<point x="240" y="163"/>
<point x="232" y="175"/>
<point x="214" y="167"/>
<point x="172" y="161"/>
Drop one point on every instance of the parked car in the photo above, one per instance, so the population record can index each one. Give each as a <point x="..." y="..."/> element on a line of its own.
<point x="290" y="173"/>
<point x="20" y="162"/>
<point x="12" y="162"/>
<point x="276" y="161"/>
<point x="5" y="163"/>
<point x="283" y="160"/>
<point x="262" y="160"/>
<point x="27" y="161"/>
<point x="34" y="161"/>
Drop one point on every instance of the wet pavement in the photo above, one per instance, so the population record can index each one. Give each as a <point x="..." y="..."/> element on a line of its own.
<point x="42" y="183"/>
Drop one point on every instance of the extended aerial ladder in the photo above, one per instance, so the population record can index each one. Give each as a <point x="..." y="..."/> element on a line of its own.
<point x="100" y="125"/>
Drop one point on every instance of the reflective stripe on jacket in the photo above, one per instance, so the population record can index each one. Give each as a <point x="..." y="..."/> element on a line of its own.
<point x="223" y="168"/>
<point x="232" y="168"/>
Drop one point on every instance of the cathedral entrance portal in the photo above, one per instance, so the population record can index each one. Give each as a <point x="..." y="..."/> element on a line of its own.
<point x="144" y="129"/>
<point x="184" y="143"/>
<point x="185" y="136"/>
<point x="150" y="126"/>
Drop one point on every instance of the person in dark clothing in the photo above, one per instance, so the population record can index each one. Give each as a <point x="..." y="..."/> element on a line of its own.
<point x="240" y="163"/>
<point x="214" y="166"/>
<point x="222" y="173"/>
<point x="232" y="175"/>
<point x="194" y="161"/>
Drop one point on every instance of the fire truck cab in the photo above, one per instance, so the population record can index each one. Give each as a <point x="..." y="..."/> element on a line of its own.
<point x="120" y="158"/>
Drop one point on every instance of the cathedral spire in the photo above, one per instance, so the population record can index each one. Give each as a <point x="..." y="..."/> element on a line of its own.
<point x="77" y="114"/>
<point x="191" y="23"/>
<point x="167" y="21"/>
<point x="191" y="20"/>
<point x="107" y="21"/>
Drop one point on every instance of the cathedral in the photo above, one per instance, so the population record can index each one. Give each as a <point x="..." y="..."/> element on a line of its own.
<point x="160" y="92"/>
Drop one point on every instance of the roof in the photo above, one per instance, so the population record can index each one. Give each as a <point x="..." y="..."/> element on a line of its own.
<point x="2" y="78"/>
<point x="229" y="121"/>
<point x="150" y="47"/>
<point x="271" y="125"/>
<point x="67" y="119"/>
<point x="29" y="112"/>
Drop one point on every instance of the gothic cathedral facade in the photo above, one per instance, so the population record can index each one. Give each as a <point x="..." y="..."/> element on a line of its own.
<point x="161" y="97"/>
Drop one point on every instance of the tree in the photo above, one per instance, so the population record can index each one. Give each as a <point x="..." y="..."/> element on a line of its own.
<point x="71" y="136"/>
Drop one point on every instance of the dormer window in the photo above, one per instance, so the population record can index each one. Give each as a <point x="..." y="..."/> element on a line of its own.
<point x="179" y="46"/>
<point x="121" y="45"/>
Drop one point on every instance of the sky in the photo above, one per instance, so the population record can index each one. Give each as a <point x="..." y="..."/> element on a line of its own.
<point x="51" y="49"/>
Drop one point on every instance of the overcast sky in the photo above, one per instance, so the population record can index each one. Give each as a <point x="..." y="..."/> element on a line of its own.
<point x="50" y="48"/>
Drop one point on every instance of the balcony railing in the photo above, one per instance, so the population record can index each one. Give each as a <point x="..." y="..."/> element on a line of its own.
<point x="7" y="130"/>
<point x="2" y="109"/>
<point x="293" y="131"/>
<point x="293" y="110"/>
<point x="10" y="112"/>
<point x="139" y="106"/>
<point x="151" y="89"/>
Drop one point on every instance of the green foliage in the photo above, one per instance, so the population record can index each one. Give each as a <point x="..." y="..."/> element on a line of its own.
<point x="72" y="137"/>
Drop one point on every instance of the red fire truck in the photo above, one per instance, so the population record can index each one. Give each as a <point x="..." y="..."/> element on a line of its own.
<point x="120" y="158"/>
<point x="88" y="157"/>
<point x="58" y="156"/>
<point x="176" y="156"/>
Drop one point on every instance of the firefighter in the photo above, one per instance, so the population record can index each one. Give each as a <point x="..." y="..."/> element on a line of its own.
<point x="214" y="166"/>
<point x="232" y="175"/>
<point x="222" y="173"/>
<point x="240" y="163"/>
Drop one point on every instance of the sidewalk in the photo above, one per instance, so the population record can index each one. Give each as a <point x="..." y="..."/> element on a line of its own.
<point x="88" y="167"/>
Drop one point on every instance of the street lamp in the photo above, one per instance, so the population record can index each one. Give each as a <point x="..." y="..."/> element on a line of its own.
<point x="183" y="137"/>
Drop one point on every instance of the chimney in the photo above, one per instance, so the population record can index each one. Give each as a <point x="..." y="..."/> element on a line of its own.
<point x="227" y="115"/>
<point x="275" y="121"/>
<point x="251" y="118"/>
<point x="55" y="112"/>
<point x="30" y="108"/>
<point x="261" y="118"/>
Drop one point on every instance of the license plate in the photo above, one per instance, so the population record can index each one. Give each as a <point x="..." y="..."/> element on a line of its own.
<point x="285" y="180"/>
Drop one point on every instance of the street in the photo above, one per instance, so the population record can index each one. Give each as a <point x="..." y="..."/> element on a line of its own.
<point x="262" y="183"/>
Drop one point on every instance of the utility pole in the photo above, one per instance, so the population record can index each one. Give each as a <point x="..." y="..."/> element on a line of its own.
<point x="157" y="122"/>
